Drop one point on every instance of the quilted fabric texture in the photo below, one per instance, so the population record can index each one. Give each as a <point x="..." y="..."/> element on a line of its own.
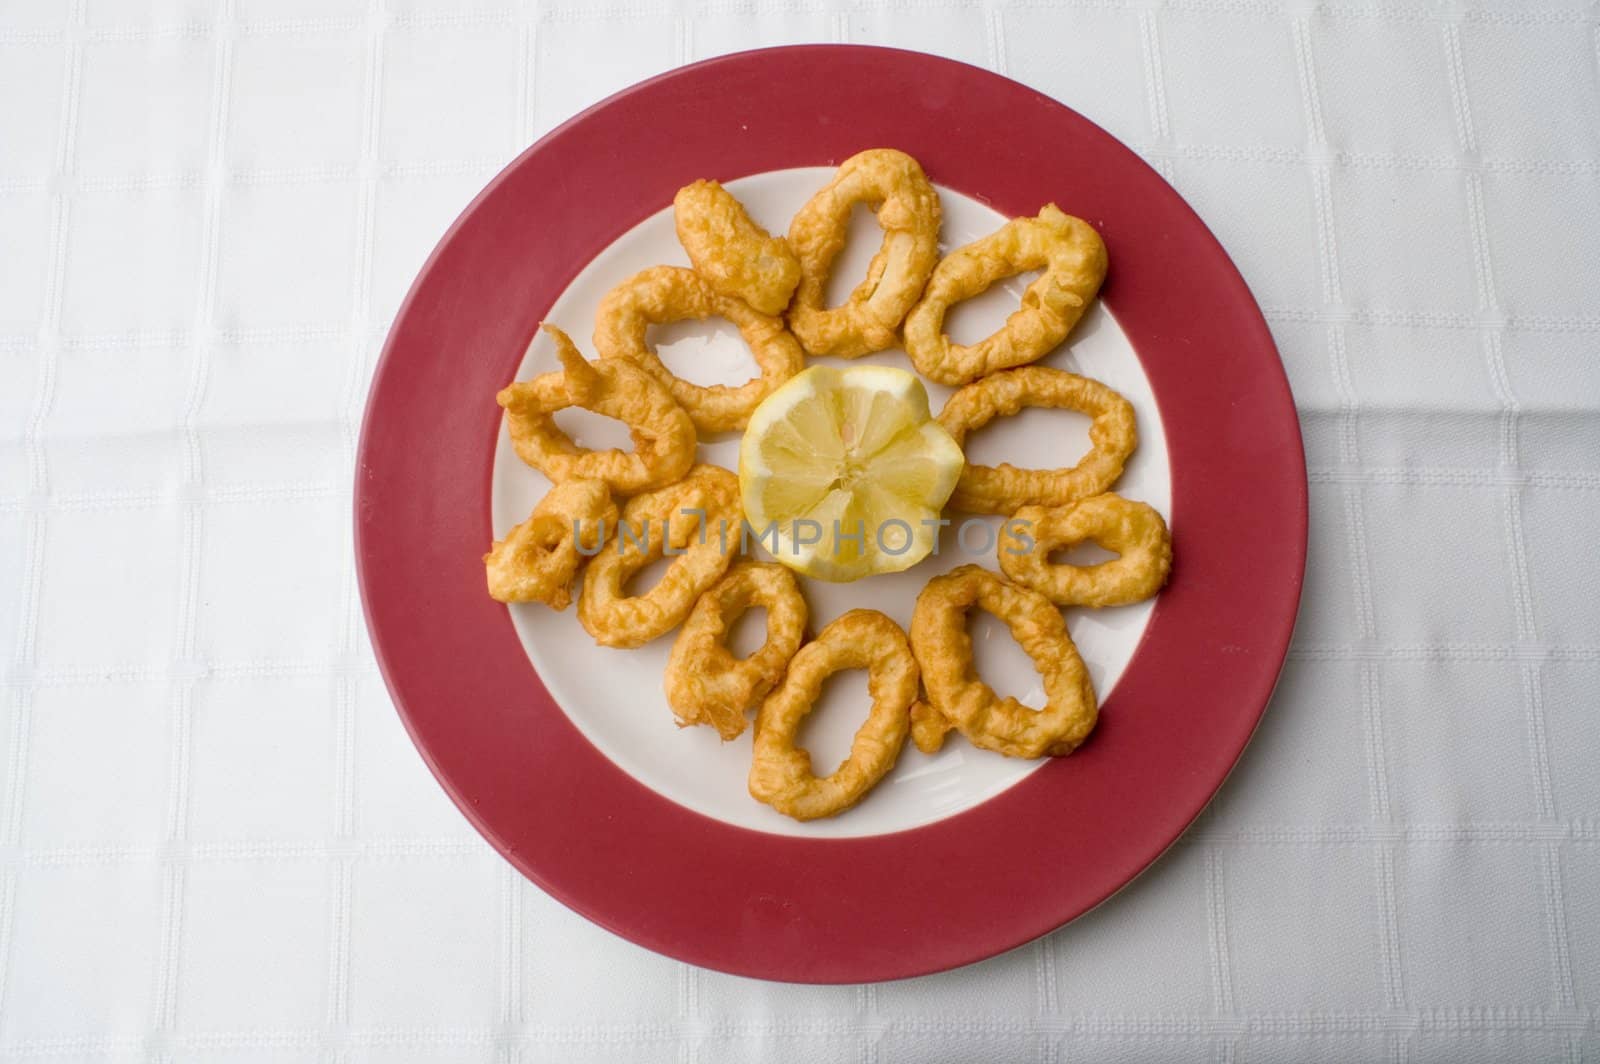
<point x="216" y="842"/>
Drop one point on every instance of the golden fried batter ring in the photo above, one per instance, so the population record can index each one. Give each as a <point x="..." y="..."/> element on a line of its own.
<point x="539" y="559"/>
<point x="781" y="774"/>
<point x="1133" y="530"/>
<point x="735" y="255"/>
<point x="958" y="699"/>
<point x="705" y="683"/>
<point x="1073" y="258"/>
<point x="1005" y="489"/>
<point x="653" y="525"/>
<point x="909" y="216"/>
<point x="663" y="435"/>
<point x="665" y="294"/>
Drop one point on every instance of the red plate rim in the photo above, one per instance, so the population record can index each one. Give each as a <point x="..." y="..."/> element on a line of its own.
<point x="827" y="910"/>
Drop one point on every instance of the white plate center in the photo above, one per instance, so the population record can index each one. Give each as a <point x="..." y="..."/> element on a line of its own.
<point x="615" y="696"/>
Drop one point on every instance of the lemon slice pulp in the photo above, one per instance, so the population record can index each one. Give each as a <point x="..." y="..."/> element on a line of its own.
<point x="844" y="472"/>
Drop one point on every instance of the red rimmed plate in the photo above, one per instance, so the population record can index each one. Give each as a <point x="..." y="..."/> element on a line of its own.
<point x="576" y="791"/>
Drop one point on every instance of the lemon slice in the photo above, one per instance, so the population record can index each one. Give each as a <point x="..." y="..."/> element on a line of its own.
<point x="844" y="472"/>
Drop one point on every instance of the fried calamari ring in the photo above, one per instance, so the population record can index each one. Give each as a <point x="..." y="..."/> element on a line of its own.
<point x="705" y="683"/>
<point x="958" y="699"/>
<point x="909" y="216"/>
<point x="539" y="559"/>
<point x="780" y="773"/>
<point x="663" y="435"/>
<point x="1073" y="258"/>
<point x="654" y="524"/>
<point x="736" y="256"/>
<point x="665" y="294"/>
<point x="1133" y="530"/>
<point x="1005" y="489"/>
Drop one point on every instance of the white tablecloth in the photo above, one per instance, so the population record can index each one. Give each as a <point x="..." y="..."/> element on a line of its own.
<point x="216" y="842"/>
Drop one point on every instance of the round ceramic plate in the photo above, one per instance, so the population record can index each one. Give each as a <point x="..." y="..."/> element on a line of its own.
<point x="565" y="756"/>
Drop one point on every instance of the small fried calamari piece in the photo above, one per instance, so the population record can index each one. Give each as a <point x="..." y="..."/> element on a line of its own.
<point x="909" y="215"/>
<point x="1005" y="489"/>
<point x="663" y="435"/>
<point x="695" y="520"/>
<point x="665" y="294"/>
<point x="780" y="772"/>
<point x="736" y="256"/>
<point x="539" y="559"/>
<point x="705" y="683"/>
<point x="1134" y="530"/>
<point x="1073" y="258"/>
<point x="958" y="699"/>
